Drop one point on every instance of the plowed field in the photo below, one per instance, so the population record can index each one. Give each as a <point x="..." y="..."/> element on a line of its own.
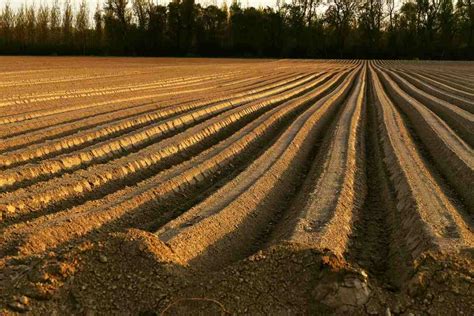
<point x="200" y="186"/>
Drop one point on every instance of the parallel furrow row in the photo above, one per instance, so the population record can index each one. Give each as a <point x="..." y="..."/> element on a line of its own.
<point x="224" y="226"/>
<point x="429" y="220"/>
<point x="95" y="177"/>
<point x="369" y="160"/>
<point x="450" y="81"/>
<point x="136" y="140"/>
<point x="453" y="156"/>
<point x="54" y="110"/>
<point x="113" y="107"/>
<point x="462" y="122"/>
<point x="92" y="92"/>
<point x="440" y="90"/>
<point x="62" y="79"/>
<point x="114" y="129"/>
<point x="201" y="169"/>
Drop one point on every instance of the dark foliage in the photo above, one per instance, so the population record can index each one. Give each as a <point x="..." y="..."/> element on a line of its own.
<point x="428" y="29"/>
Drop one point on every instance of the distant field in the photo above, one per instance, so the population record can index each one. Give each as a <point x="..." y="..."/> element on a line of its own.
<point x="236" y="186"/>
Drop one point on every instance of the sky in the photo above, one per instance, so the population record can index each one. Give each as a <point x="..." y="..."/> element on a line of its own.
<point x="93" y="3"/>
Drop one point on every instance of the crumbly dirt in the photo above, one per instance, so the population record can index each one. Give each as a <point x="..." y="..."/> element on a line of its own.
<point x="214" y="187"/>
<point x="127" y="274"/>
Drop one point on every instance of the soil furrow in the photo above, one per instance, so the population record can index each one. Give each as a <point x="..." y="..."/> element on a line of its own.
<point x="376" y="243"/>
<point x="193" y="185"/>
<point x="126" y="144"/>
<point x="452" y="155"/>
<point x="449" y="81"/>
<point x="151" y="193"/>
<point x="36" y="114"/>
<point x="224" y="228"/>
<point x="113" y="129"/>
<point x="462" y="122"/>
<point x="439" y="90"/>
<point x="95" y="178"/>
<point x="112" y="108"/>
<point x="62" y="95"/>
<point x="23" y="82"/>
<point x="322" y="217"/>
<point x="429" y="219"/>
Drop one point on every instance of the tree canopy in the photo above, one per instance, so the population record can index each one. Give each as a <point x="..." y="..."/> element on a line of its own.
<point x="428" y="29"/>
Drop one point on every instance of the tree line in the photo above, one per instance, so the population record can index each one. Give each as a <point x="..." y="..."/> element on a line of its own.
<point x="425" y="29"/>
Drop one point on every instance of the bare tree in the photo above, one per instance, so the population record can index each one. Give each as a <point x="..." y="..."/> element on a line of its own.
<point x="390" y="4"/>
<point x="370" y="23"/>
<point x="20" y="28"/>
<point x="67" y="25"/>
<point x="141" y="8"/>
<point x="309" y="8"/>
<point x="340" y="16"/>
<point x="119" y="9"/>
<point x="98" y="26"/>
<point x="55" y="23"/>
<point x="7" y="19"/>
<point x="43" y="24"/>
<point x="31" y="25"/>
<point x="82" y="24"/>
<point x="465" y="10"/>
<point x="117" y="22"/>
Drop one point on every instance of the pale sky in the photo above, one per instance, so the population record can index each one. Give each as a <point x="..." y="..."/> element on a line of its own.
<point x="93" y="3"/>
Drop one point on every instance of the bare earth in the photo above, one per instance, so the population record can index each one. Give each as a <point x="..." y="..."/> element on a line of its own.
<point x="221" y="186"/>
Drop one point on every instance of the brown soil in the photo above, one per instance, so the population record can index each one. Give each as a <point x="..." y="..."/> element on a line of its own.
<point x="200" y="186"/>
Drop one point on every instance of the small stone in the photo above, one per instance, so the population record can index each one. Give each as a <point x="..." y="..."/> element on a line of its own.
<point x="103" y="259"/>
<point x="387" y="312"/>
<point x="24" y="300"/>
